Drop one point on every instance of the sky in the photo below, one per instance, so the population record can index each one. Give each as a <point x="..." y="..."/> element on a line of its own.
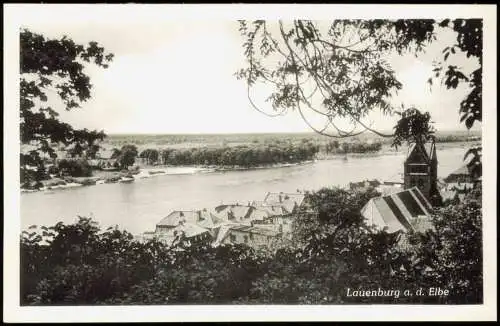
<point x="177" y="76"/>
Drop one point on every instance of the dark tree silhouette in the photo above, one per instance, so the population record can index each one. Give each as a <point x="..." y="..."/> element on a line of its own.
<point x="56" y="68"/>
<point x="126" y="156"/>
<point x="470" y="42"/>
<point x="413" y="127"/>
<point x="338" y="70"/>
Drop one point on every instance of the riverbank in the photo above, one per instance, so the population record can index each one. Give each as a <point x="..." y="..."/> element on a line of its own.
<point x="147" y="171"/>
<point x="388" y="150"/>
<point x="267" y="166"/>
<point x="102" y="176"/>
<point x="144" y="202"/>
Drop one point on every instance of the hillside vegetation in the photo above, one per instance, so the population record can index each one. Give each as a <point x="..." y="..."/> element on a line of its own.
<point x="334" y="250"/>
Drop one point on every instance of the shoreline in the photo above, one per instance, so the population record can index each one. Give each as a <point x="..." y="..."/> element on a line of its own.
<point x="147" y="171"/>
<point x="387" y="150"/>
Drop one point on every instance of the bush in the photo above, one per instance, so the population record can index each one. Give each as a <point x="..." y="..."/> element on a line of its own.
<point x="75" y="168"/>
<point x="53" y="170"/>
<point x="451" y="256"/>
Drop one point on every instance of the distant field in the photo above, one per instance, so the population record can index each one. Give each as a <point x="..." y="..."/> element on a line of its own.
<point x="222" y="140"/>
<point x="210" y="138"/>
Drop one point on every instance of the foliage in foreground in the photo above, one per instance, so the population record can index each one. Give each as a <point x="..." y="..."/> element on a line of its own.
<point x="48" y="67"/>
<point x="334" y="250"/>
<point x="453" y="253"/>
<point x="338" y="70"/>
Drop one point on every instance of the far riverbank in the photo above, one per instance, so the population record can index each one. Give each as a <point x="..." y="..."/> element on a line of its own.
<point x="137" y="206"/>
<point x="147" y="171"/>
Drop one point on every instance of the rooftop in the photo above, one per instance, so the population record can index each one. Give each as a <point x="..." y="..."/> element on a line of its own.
<point x="201" y="217"/>
<point x="397" y="211"/>
<point x="287" y="200"/>
<point x="463" y="170"/>
<point x="429" y="150"/>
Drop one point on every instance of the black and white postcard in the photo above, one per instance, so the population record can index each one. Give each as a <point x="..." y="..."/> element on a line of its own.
<point x="249" y="162"/>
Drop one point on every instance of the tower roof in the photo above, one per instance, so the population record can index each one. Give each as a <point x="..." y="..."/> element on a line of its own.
<point x="428" y="149"/>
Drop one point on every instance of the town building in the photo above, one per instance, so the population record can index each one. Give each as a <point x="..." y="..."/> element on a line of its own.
<point x="420" y="170"/>
<point x="202" y="218"/>
<point x="457" y="184"/>
<point x="394" y="180"/>
<point x="106" y="161"/>
<point x="279" y="223"/>
<point x="385" y="189"/>
<point x="186" y="231"/>
<point x="364" y="185"/>
<point x="460" y="176"/>
<point x="403" y="211"/>
<point x="258" y="224"/>
<point x="271" y="210"/>
<point x="289" y="201"/>
<point x="241" y="214"/>
<point x="253" y="236"/>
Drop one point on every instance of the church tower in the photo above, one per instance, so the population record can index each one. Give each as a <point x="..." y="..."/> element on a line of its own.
<point x="420" y="170"/>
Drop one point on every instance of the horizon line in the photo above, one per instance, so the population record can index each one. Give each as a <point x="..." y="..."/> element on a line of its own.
<point x="255" y="133"/>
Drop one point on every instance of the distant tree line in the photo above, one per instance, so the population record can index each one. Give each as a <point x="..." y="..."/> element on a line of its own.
<point x="335" y="147"/>
<point x="243" y="155"/>
<point x="264" y="151"/>
<point x="78" y="161"/>
<point x="456" y="138"/>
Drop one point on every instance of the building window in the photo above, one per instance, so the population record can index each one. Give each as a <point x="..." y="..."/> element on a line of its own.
<point x="417" y="168"/>
<point x="245" y="238"/>
<point x="251" y="236"/>
<point x="232" y="237"/>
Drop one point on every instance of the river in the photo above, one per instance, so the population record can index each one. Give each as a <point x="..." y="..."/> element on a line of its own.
<point x="138" y="206"/>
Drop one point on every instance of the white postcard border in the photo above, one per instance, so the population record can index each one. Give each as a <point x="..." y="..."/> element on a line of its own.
<point x="15" y="15"/>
